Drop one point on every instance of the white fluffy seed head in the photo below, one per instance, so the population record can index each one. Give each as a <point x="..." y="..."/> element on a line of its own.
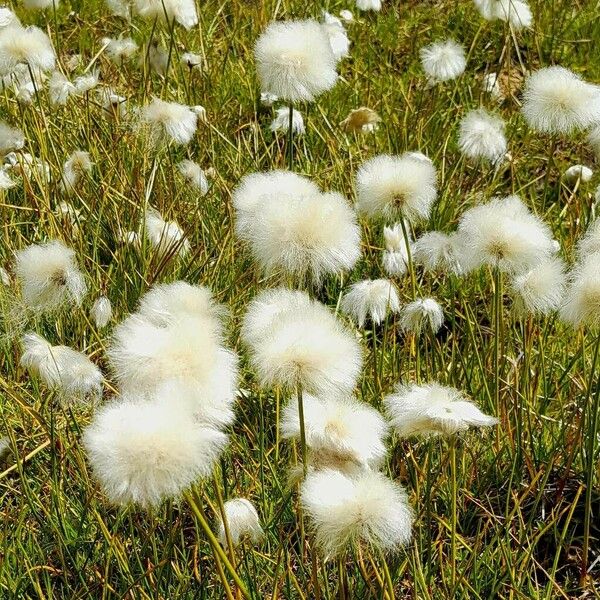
<point x="424" y="311"/>
<point x="256" y="188"/>
<point x="556" y="100"/>
<point x="11" y="139"/>
<point x="581" y="305"/>
<point x="167" y="123"/>
<point x="593" y="139"/>
<point x="482" y="136"/>
<point x="590" y="243"/>
<point x="504" y="233"/>
<point x="371" y="298"/>
<point x="101" y="312"/>
<point x="578" y="173"/>
<point x="25" y="46"/>
<point x="194" y="175"/>
<point x="166" y="237"/>
<point x="306" y="346"/>
<point x="515" y="12"/>
<point x="492" y="87"/>
<point x="304" y="236"/>
<point x="374" y="5"/>
<point x="119" y="8"/>
<point x="49" y="276"/>
<point x="395" y="256"/>
<point x="181" y="11"/>
<point x="295" y="61"/>
<point x="437" y="251"/>
<point x="119" y="49"/>
<point x="347" y="510"/>
<point x="85" y="83"/>
<point x="340" y="433"/>
<point x="166" y="303"/>
<point x="443" y="61"/>
<point x="70" y="373"/>
<point x="145" y="452"/>
<point x="396" y="187"/>
<point x="541" y="289"/>
<point x="338" y="39"/>
<point x="242" y="522"/>
<point x="76" y="166"/>
<point x="432" y="409"/>
<point x="60" y="89"/>
<point x="281" y="122"/>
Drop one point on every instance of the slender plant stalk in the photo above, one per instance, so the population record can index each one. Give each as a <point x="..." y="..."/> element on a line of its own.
<point x="454" y="517"/>
<point x="497" y="335"/>
<point x="302" y="429"/>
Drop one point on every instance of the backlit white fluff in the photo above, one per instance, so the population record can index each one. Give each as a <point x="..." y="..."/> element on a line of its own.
<point x="339" y="431"/>
<point x="60" y="89"/>
<point x="395" y="255"/>
<point x="295" y="61"/>
<point x="33" y="168"/>
<point x="482" y="136"/>
<point x="492" y="87"/>
<point x="146" y="452"/>
<point x="515" y="12"/>
<point x="556" y="100"/>
<point x="503" y="233"/>
<point x="167" y="302"/>
<point x="255" y="188"/>
<point x="166" y="237"/>
<point x="425" y="311"/>
<point x="119" y="49"/>
<point x="101" y="312"/>
<point x="541" y="289"/>
<point x="182" y="11"/>
<point x="346" y="510"/>
<point x="6" y="183"/>
<point x="72" y="374"/>
<point x="76" y="166"/>
<point x="307" y="236"/>
<point x="167" y="122"/>
<point x="309" y="347"/>
<point x="194" y="175"/>
<point x="338" y="39"/>
<point x="113" y="105"/>
<point x="264" y="310"/>
<point x="432" y="409"/>
<point x="590" y="243"/>
<point x="86" y="83"/>
<point x="192" y="60"/>
<point x="119" y="8"/>
<point x="346" y="15"/>
<point x="396" y="186"/>
<point x="40" y="4"/>
<point x="578" y="173"/>
<point x="281" y="122"/>
<point x="49" y="276"/>
<point x="143" y="355"/>
<point x="8" y="18"/>
<point x="593" y="139"/>
<point x="25" y="46"/>
<point x="443" y="61"/>
<point x="11" y="139"/>
<point x="371" y="298"/>
<point x="374" y="5"/>
<point x="437" y="251"/>
<point x="581" y="305"/>
<point x="158" y="58"/>
<point x="242" y="522"/>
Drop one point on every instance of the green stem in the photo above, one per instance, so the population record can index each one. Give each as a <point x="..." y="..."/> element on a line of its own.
<point x="497" y="336"/>
<point x="302" y="429"/>
<point x="453" y="521"/>
<point x="290" y="145"/>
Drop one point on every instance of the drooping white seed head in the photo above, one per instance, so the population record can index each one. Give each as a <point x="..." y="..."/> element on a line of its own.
<point x="424" y="311"/>
<point x="242" y="522"/>
<point x="372" y="298"/>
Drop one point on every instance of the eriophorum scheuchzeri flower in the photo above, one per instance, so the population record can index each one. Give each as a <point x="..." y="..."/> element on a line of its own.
<point x="482" y="136"/>
<point x="443" y="61"/>
<point x="372" y="298"/>
<point x="243" y="523"/>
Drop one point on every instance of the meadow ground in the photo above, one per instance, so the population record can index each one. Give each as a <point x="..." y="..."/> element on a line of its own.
<point x="499" y="513"/>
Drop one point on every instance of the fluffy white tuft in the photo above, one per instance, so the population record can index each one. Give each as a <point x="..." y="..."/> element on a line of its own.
<point x="119" y="49"/>
<point x="49" y="276"/>
<point x="541" y="289"/>
<point x="482" y="136"/>
<point x="346" y="510"/>
<point x="425" y="311"/>
<point x="395" y="256"/>
<point x="167" y="122"/>
<point x="338" y="431"/>
<point x="25" y="46"/>
<point x="338" y="39"/>
<point x="166" y="237"/>
<point x="101" y="312"/>
<point x="182" y="11"/>
<point x="556" y="100"/>
<point x="503" y="233"/>
<point x="371" y="298"/>
<point x="443" y="61"/>
<point x="242" y="522"/>
<point x="306" y="346"/>
<point x="145" y="452"/>
<point x="581" y="306"/>
<point x="11" y="139"/>
<point x="578" y="173"/>
<point x="194" y="175"/>
<point x="281" y="122"/>
<point x="295" y="61"/>
<point x="437" y="251"/>
<point x="72" y="374"/>
<point x="433" y="409"/>
<point x="374" y="5"/>
<point x="396" y="186"/>
<point x="76" y="166"/>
